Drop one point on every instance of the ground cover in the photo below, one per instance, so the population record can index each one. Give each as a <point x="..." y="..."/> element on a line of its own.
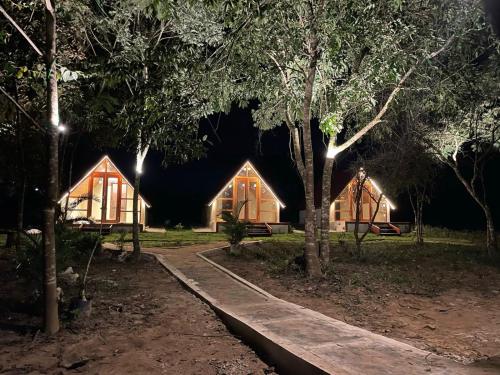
<point x="142" y="321"/>
<point x="444" y="297"/>
<point x="183" y="237"/>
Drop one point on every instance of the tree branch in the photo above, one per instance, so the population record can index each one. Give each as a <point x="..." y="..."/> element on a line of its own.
<point x="21" y="31"/>
<point x="23" y="111"/>
<point x="333" y="151"/>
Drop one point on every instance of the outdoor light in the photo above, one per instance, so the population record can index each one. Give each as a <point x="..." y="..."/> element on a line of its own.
<point x="332" y="151"/>
<point x="61" y="128"/>
<point x="138" y="167"/>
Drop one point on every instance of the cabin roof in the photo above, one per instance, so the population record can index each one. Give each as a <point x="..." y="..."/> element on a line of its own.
<point x="105" y="157"/>
<point x="340" y="179"/>
<point x="228" y="180"/>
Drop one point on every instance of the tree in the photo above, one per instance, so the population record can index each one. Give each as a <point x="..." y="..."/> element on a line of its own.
<point x="154" y="64"/>
<point x="361" y="189"/>
<point x="397" y="154"/>
<point x="461" y="127"/>
<point x="318" y="62"/>
<point x="472" y="138"/>
<point x="49" y="238"/>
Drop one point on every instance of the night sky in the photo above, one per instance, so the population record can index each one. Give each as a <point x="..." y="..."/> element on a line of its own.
<point x="179" y="193"/>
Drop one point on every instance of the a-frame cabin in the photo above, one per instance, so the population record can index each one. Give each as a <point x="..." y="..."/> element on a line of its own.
<point x="103" y="195"/>
<point x="343" y="207"/>
<point x="262" y="207"/>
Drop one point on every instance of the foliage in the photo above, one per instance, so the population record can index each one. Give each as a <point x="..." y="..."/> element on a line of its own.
<point x="366" y="47"/>
<point x="234" y="228"/>
<point x="73" y="248"/>
<point x="179" y="226"/>
<point x="150" y="58"/>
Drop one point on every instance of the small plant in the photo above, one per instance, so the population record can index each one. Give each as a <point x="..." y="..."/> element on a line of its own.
<point x="179" y="227"/>
<point x="234" y="228"/>
<point x="120" y="241"/>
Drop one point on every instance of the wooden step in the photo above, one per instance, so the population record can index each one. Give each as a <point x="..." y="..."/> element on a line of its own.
<point x="259" y="230"/>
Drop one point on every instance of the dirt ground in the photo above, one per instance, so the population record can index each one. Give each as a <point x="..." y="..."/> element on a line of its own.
<point x="449" y="308"/>
<point x="142" y="322"/>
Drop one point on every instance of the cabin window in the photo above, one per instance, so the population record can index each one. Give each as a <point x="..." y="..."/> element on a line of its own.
<point x="228" y="192"/>
<point x="341" y="208"/>
<point x="265" y="193"/>
<point x="127" y="204"/>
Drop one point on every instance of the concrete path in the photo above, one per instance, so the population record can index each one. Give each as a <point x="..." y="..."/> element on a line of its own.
<point x="296" y="339"/>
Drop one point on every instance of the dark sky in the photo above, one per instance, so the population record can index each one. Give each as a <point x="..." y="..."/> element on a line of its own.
<point x="179" y="193"/>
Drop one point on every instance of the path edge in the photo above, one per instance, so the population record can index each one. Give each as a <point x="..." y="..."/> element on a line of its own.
<point x="286" y="361"/>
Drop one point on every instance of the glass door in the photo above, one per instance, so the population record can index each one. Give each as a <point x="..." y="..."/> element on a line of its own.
<point x="112" y="199"/>
<point x="105" y="198"/>
<point x="252" y="205"/>
<point x="96" y="196"/>
<point x="247" y="190"/>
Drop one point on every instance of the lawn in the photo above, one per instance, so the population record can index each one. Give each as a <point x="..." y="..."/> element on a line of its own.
<point x="183" y="237"/>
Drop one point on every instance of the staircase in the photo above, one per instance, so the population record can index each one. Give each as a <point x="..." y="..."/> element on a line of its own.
<point x="259" y="230"/>
<point x="385" y="229"/>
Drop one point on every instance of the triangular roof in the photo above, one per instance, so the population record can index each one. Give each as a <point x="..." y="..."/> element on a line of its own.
<point x="247" y="163"/>
<point x="108" y="159"/>
<point x="375" y="185"/>
<point x="340" y="179"/>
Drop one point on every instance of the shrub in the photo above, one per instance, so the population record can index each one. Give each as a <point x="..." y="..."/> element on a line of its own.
<point x="72" y="248"/>
<point x="179" y="227"/>
<point x="234" y="228"/>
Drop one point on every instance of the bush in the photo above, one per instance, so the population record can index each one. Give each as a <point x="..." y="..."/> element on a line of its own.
<point x="72" y="248"/>
<point x="179" y="227"/>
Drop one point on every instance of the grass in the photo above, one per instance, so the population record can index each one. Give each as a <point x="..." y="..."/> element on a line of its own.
<point x="397" y="263"/>
<point x="185" y="237"/>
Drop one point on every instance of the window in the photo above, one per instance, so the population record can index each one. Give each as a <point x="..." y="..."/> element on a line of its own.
<point x="127" y="204"/>
<point x="268" y="205"/>
<point x="341" y="208"/>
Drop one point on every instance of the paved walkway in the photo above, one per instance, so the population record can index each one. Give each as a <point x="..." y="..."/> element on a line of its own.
<point x="299" y="340"/>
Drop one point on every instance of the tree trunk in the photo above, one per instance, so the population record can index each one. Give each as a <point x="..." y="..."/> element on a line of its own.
<point x="140" y="156"/>
<point x="313" y="266"/>
<point x="326" y="196"/>
<point x="417" y="207"/>
<point x="51" y="316"/>
<point x="491" y="243"/>
<point x="70" y="177"/>
<point x="491" y="238"/>
<point x="136" y="253"/>
<point x="21" y="192"/>
<point x="20" y="175"/>
<point x="357" y="200"/>
<point x="419" y="224"/>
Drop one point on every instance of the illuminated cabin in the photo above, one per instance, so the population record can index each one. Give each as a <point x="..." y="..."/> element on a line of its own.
<point x="103" y="195"/>
<point x="263" y="206"/>
<point x="343" y="208"/>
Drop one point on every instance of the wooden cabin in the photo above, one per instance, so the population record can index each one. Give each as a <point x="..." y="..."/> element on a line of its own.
<point x="103" y="195"/>
<point x="262" y="207"/>
<point x="343" y="207"/>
